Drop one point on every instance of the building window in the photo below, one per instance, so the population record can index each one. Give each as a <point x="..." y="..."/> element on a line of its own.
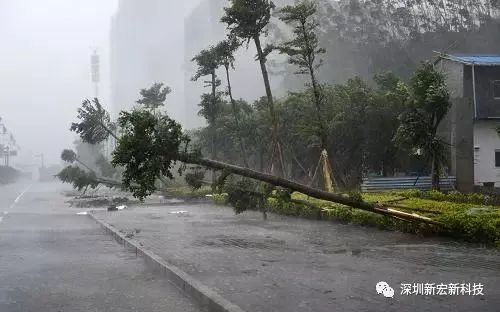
<point x="495" y="84"/>
<point x="497" y="158"/>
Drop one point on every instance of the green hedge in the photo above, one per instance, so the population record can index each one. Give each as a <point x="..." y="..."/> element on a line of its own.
<point x="454" y="196"/>
<point x="463" y="220"/>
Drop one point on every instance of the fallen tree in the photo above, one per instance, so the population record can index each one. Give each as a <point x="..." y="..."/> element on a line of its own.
<point x="151" y="144"/>
<point x="304" y="189"/>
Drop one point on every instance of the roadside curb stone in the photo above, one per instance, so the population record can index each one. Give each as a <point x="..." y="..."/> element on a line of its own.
<point x="208" y="299"/>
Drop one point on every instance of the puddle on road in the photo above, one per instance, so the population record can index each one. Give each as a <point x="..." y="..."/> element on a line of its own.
<point x="224" y="242"/>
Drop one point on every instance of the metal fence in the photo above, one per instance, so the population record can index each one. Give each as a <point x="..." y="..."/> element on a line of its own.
<point x="402" y="183"/>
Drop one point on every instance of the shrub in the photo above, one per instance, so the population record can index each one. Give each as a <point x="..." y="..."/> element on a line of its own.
<point x="461" y="222"/>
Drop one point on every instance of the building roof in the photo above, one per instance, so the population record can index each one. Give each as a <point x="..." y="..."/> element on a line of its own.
<point x="474" y="59"/>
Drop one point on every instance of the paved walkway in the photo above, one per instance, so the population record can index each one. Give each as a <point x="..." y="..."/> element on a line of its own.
<point x="287" y="264"/>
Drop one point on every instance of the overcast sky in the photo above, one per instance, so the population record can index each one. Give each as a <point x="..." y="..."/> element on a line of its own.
<point x="45" y="67"/>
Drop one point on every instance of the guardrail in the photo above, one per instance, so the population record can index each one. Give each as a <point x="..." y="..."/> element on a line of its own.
<point x="404" y="183"/>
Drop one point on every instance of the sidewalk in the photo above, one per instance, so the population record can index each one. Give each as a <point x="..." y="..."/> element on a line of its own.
<point x="287" y="264"/>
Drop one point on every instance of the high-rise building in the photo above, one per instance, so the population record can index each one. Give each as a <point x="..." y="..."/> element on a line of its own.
<point x="201" y="29"/>
<point x="147" y="47"/>
<point x="155" y="40"/>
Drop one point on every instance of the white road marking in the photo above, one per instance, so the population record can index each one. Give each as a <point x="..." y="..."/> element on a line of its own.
<point x="18" y="198"/>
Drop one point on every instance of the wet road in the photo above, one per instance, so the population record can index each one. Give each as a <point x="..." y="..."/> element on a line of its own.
<point x="295" y="265"/>
<point x="53" y="260"/>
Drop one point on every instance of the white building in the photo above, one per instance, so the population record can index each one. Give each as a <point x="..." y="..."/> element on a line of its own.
<point x="474" y="83"/>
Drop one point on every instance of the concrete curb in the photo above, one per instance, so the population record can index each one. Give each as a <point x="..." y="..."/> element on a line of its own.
<point x="208" y="299"/>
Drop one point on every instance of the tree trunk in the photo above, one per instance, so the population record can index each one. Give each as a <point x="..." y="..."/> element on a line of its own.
<point x="294" y="186"/>
<point x="236" y="118"/>
<point x="279" y="166"/>
<point x="436" y="173"/>
<point x="304" y="189"/>
<point x="325" y="163"/>
<point x="213" y="151"/>
<point x="327" y="170"/>
<point x="261" y="159"/>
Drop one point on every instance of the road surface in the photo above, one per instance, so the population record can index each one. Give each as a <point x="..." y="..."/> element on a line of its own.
<point x="289" y="264"/>
<point x="52" y="260"/>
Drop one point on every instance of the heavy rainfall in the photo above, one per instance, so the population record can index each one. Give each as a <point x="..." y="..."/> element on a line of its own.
<point x="250" y="155"/>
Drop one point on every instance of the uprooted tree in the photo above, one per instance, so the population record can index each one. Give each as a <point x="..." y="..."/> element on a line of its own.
<point x="151" y="144"/>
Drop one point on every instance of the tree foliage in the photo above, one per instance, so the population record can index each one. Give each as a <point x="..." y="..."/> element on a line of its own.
<point x="155" y="96"/>
<point x="245" y="194"/>
<point x="225" y="51"/>
<point x="247" y="19"/>
<point x="303" y="50"/>
<point x="68" y="156"/>
<point x="95" y="124"/>
<point x="430" y="102"/>
<point x="79" y="178"/>
<point x="397" y="19"/>
<point x="149" y="146"/>
<point x="207" y="61"/>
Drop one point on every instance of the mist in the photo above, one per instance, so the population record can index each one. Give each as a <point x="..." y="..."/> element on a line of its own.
<point x="45" y="67"/>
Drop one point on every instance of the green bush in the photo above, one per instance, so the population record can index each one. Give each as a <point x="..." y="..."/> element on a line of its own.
<point x="220" y="198"/>
<point x="453" y="196"/>
<point x="461" y="220"/>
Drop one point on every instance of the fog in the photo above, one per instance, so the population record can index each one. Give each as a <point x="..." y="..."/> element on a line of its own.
<point x="45" y="67"/>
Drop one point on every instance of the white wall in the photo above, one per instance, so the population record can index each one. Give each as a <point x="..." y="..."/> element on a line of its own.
<point x="487" y="140"/>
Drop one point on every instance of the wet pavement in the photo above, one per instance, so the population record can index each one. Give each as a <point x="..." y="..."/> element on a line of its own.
<point x="289" y="264"/>
<point x="52" y="260"/>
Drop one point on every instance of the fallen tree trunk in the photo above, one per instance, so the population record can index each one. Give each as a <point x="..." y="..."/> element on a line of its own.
<point x="301" y="188"/>
<point x="297" y="187"/>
